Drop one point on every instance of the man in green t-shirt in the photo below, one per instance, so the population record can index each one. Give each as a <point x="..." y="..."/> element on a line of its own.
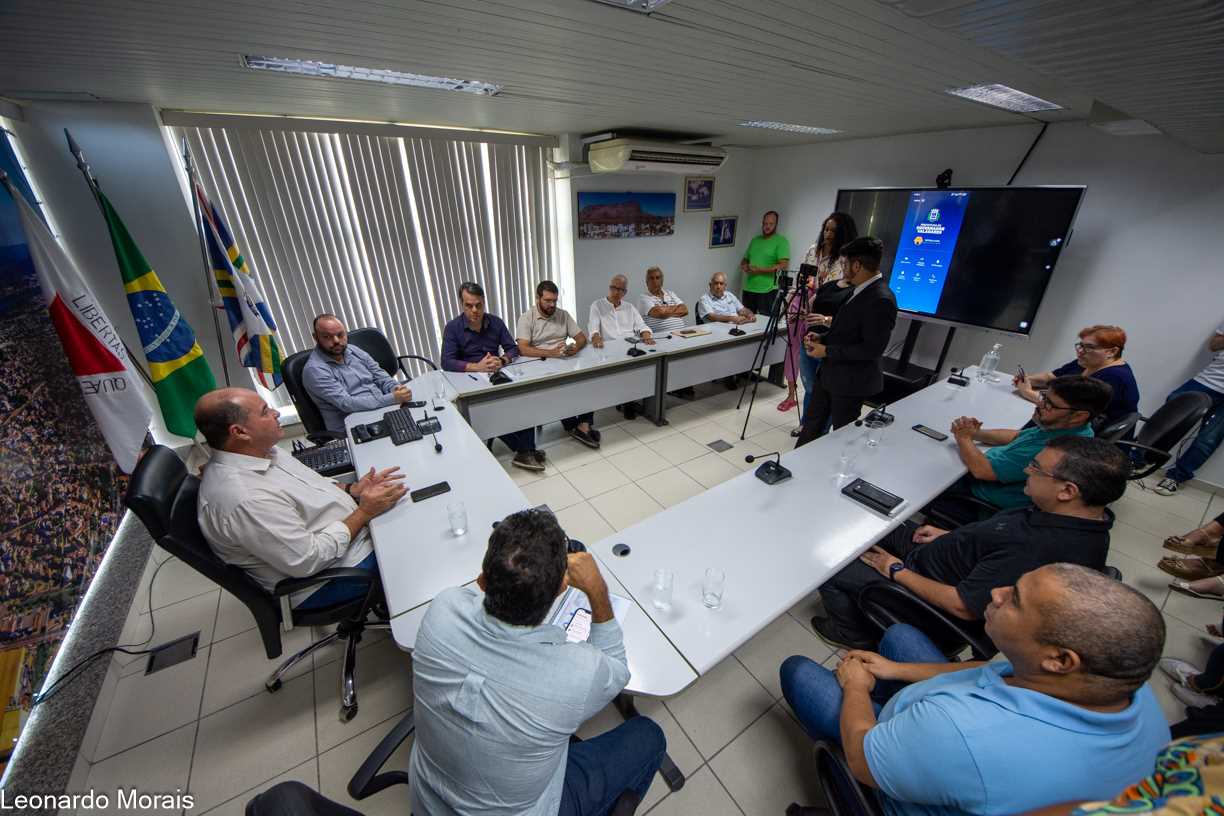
<point x="767" y="253"/>
<point x="997" y="474"/>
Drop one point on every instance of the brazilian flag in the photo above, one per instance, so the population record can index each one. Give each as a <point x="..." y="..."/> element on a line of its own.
<point x="176" y="362"/>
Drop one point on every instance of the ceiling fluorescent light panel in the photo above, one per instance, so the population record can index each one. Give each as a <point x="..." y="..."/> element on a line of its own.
<point x="644" y="6"/>
<point x="386" y="76"/>
<point x="1001" y="96"/>
<point x="810" y="130"/>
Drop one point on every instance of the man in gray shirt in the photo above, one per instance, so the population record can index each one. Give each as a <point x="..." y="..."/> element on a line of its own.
<point x="343" y="379"/>
<point x="498" y="692"/>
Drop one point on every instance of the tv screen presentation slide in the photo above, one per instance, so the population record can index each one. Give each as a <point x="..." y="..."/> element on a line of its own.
<point x="975" y="256"/>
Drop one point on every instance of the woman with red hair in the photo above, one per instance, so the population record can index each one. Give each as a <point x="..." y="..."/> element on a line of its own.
<point x="1098" y="353"/>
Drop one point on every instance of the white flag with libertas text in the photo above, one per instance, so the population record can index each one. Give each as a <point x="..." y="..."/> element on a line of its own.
<point x="93" y="347"/>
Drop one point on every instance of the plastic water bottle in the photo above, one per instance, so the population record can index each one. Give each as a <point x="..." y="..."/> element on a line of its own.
<point x="990" y="364"/>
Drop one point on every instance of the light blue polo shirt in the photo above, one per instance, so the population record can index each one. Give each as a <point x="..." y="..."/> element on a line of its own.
<point x="1008" y="462"/>
<point x="966" y="742"/>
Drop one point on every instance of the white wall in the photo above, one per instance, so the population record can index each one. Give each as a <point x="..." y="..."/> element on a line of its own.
<point x="1145" y="252"/>
<point x="123" y="144"/>
<point x="685" y="257"/>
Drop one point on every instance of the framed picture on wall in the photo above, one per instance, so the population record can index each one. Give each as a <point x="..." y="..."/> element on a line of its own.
<point x="722" y="231"/>
<point x="698" y="193"/>
<point x="626" y="215"/>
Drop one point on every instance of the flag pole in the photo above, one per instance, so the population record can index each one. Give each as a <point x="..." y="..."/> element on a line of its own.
<point x="209" y="283"/>
<point x="95" y="188"/>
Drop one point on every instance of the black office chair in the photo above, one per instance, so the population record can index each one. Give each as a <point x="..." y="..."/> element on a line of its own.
<point x="163" y="496"/>
<point x="308" y="412"/>
<point x="843" y="793"/>
<point x="1120" y="428"/>
<point x="1153" y="447"/>
<point x="375" y="343"/>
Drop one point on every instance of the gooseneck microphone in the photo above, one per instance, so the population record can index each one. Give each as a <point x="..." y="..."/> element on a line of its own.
<point x="770" y="472"/>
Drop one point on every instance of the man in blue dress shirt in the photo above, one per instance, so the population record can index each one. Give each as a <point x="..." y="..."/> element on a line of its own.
<point x="477" y="341"/>
<point x="343" y="379"/>
<point x="1068" y="716"/>
<point x="498" y="692"/>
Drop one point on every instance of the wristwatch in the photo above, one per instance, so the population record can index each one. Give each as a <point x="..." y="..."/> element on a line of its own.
<point x="894" y="568"/>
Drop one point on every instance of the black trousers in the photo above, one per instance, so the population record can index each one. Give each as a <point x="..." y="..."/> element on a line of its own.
<point x="839" y="594"/>
<point x="825" y="407"/>
<point x="758" y="302"/>
<point x="570" y="423"/>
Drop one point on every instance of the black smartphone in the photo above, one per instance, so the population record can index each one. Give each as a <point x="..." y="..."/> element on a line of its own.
<point x="931" y="432"/>
<point x="875" y="498"/>
<point x="429" y="492"/>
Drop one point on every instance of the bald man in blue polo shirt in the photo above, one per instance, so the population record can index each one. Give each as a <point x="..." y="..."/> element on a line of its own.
<point x="1067" y="717"/>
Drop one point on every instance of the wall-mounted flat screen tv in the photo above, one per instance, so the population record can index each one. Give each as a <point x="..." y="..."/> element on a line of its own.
<point x="970" y="256"/>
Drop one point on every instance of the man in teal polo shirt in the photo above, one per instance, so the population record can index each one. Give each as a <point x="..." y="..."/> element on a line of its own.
<point x="767" y="253"/>
<point x="996" y="475"/>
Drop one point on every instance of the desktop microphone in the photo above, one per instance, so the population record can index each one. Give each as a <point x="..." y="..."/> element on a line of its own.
<point x="736" y="331"/>
<point x="635" y="351"/>
<point x="437" y="444"/>
<point x="770" y="472"/>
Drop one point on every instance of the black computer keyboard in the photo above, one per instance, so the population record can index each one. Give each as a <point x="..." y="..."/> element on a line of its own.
<point x="326" y="460"/>
<point x="401" y="427"/>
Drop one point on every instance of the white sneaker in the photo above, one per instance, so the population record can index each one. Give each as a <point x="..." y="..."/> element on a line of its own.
<point x="1192" y="698"/>
<point x="1178" y="670"/>
<point x="1165" y="487"/>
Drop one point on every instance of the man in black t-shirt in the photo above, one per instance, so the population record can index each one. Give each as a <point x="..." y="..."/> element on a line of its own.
<point x="1070" y="482"/>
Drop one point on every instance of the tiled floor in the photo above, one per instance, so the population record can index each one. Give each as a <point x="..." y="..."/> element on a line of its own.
<point x="208" y="727"/>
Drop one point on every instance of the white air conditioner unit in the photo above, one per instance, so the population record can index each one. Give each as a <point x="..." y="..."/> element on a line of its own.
<point x="636" y="156"/>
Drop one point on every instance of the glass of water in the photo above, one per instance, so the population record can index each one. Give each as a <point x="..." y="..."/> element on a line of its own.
<point x="845" y="462"/>
<point x="875" y="430"/>
<point x="712" y="588"/>
<point x="457" y="514"/>
<point x="661" y="589"/>
<point x="439" y="385"/>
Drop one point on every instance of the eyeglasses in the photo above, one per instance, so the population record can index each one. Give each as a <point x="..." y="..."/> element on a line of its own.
<point x="1045" y="403"/>
<point x="1081" y="346"/>
<point x="1033" y="467"/>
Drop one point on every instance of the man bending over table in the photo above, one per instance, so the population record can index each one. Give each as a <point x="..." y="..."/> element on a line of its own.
<point x="1070" y="481"/>
<point x="1068" y="716"/>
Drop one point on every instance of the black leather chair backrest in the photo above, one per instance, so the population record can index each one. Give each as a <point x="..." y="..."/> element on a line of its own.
<point x="163" y="495"/>
<point x="375" y="343"/>
<point x="1173" y="420"/>
<point x="291" y="372"/>
<point x="1120" y="428"/>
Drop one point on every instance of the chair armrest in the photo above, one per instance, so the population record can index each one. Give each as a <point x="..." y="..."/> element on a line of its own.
<point x="948" y="522"/>
<point x="839" y="784"/>
<point x="323" y="437"/>
<point x="401" y="358"/>
<point x="288" y="586"/>
<point x="873" y="600"/>
<point x="1158" y="456"/>
<point x="368" y="781"/>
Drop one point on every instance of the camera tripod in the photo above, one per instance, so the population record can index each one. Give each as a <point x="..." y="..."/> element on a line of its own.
<point x="781" y="305"/>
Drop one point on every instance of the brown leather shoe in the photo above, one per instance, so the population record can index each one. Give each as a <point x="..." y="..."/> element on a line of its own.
<point x="1191" y="569"/>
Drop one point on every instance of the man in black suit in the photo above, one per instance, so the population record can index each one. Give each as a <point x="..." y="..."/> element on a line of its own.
<point x="852" y="348"/>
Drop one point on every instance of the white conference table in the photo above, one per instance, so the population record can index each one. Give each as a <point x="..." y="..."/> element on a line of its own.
<point x="777" y="543"/>
<point x="418" y="556"/>
<point x="547" y="390"/>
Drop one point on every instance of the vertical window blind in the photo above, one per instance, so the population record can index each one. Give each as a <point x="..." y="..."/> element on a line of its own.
<point x="380" y="230"/>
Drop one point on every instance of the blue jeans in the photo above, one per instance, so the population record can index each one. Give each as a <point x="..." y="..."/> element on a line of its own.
<point x="1208" y="438"/>
<point x="809" y="367"/>
<point x="816" y="697"/>
<point x="599" y="770"/>
<point x="341" y="590"/>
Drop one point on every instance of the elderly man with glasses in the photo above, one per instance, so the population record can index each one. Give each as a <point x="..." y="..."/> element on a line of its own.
<point x="1070" y="482"/>
<point x="614" y="318"/>
<point x="996" y="475"/>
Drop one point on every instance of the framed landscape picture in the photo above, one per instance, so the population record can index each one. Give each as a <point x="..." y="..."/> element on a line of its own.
<point x="722" y="231"/>
<point x="698" y="193"/>
<point x="626" y="215"/>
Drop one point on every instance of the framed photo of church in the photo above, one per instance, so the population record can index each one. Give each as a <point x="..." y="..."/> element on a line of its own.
<point x="722" y="231"/>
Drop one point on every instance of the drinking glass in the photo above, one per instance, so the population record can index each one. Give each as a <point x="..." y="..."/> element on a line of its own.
<point x="875" y="430"/>
<point x="661" y="589"/>
<point x="712" y="587"/>
<point x="439" y="385"/>
<point x="845" y="462"/>
<point x="457" y="514"/>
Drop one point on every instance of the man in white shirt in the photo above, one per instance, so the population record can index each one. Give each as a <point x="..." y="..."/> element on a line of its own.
<point x="1209" y="381"/>
<point x="721" y="306"/>
<point x="612" y="317"/>
<point x="265" y="512"/>
<point x="662" y="309"/>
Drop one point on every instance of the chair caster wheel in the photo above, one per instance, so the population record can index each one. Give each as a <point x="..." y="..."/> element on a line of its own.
<point x="273" y="687"/>
<point x="348" y="712"/>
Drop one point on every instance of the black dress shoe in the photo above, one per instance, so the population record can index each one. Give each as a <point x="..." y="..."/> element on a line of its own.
<point x="831" y="632"/>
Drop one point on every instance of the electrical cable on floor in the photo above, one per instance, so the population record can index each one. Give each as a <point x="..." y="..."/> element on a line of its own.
<point x="75" y="670"/>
